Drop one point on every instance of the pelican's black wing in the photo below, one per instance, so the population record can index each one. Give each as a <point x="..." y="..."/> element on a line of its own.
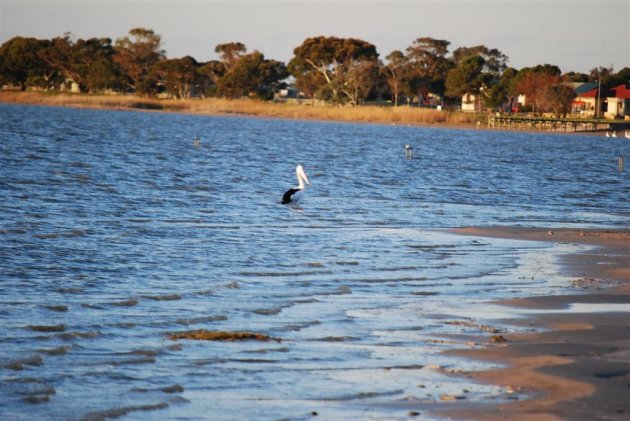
<point x="286" y="199"/>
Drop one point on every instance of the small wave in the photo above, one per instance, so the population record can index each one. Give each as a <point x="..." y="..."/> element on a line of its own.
<point x="90" y="305"/>
<point x="166" y="297"/>
<point x="315" y="264"/>
<point x="78" y="335"/>
<point x="431" y="247"/>
<point x="385" y="280"/>
<point x="120" y="412"/>
<point x="283" y="274"/>
<point x="125" y="303"/>
<point x="35" y="399"/>
<point x="212" y="291"/>
<point x="266" y="351"/>
<point x="342" y="290"/>
<point x="60" y="308"/>
<point x="176" y="388"/>
<point x="363" y="395"/>
<point x="34" y="391"/>
<point x="305" y="301"/>
<point x="299" y="326"/>
<point x="396" y="269"/>
<point x="60" y="350"/>
<point x="26" y="182"/>
<point x="131" y="361"/>
<point x="18" y="364"/>
<point x="347" y="263"/>
<point x="335" y="339"/>
<point x="13" y="231"/>
<point x="426" y="293"/>
<point x="144" y="352"/>
<point x="268" y="311"/>
<point x="47" y="328"/>
<point x="70" y="290"/>
<point x="196" y="320"/>
<point x="182" y="221"/>
<point x="64" y="234"/>
<point x="405" y="367"/>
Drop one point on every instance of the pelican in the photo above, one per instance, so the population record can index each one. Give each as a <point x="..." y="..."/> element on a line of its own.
<point x="294" y="194"/>
<point x="614" y="134"/>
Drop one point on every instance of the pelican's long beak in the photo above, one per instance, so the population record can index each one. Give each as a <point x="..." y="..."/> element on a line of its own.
<point x="302" y="175"/>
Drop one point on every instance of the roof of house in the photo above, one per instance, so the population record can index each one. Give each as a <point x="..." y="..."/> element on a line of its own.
<point x="588" y="94"/>
<point x="584" y="87"/>
<point x="621" y="91"/>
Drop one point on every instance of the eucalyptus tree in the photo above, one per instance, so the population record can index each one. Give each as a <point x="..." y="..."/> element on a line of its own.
<point x="20" y="63"/>
<point x="87" y="62"/>
<point x="466" y="78"/>
<point x="246" y="74"/>
<point x="229" y="53"/>
<point x="178" y="75"/>
<point x="501" y="92"/>
<point x="394" y="72"/>
<point x="532" y="83"/>
<point x="341" y="62"/>
<point x="136" y="54"/>
<point x="209" y="75"/>
<point x="494" y="61"/>
<point x="557" y="98"/>
<point x="428" y="65"/>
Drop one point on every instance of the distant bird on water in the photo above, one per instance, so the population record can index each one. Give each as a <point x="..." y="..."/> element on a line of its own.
<point x="295" y="194"/>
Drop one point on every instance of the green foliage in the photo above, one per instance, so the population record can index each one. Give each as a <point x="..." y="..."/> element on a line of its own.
<point x="136" y="54"/>
<point x="343" y="63"/>
<point x="499" y="93"/>
<point x="395" y="73"/>
<point x="178" y="76"/>
<point x="20" y="62"/>
<point x="250" y="75"/>
<point x="467" y="77"/>
<point x="494" y="61"/>
<point x="533" y="82"/>
<point x="339" y="70"/>
<point x="557" y="99"/>
<point x="428" y="66"/>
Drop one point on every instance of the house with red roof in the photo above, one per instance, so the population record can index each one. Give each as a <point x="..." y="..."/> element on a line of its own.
<point x="585" y="101"/>
<point x="618" y="102"/>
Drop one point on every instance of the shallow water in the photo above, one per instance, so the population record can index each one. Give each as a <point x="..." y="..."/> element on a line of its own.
<point x="116" y="231"/>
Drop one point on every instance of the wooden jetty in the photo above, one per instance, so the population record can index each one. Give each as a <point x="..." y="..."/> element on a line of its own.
<point x="547" y="124"/>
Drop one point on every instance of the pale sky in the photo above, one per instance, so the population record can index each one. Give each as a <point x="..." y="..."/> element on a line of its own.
<point x="576" y="35"/>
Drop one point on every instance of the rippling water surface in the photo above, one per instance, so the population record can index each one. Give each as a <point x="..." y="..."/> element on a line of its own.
<point x="115" y="231"/>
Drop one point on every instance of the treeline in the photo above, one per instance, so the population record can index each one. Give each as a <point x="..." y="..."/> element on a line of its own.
<point x="337" y="70"/>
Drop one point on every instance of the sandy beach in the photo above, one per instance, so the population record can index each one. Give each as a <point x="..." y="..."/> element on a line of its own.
<point x="572" y="365"/>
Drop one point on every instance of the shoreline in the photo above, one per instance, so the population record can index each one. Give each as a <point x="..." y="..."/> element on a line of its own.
<point x="365" y="114"/>
<point x="368" y="114"/>
<point x="573" y="365"/>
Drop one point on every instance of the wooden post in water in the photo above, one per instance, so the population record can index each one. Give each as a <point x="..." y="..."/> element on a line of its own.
<point x="620" y="163"/>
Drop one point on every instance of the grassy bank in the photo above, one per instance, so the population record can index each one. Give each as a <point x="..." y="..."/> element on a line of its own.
<point x="220" y="106"/>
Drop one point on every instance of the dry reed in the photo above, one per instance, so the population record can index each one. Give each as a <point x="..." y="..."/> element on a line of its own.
<point x="367" y="114"/>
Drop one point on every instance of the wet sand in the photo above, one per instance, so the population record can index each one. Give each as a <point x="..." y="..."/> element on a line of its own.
<point x="573" y="365"/>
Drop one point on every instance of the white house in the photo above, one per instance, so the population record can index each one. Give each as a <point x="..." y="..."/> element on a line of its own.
<point x="618" y="102"/>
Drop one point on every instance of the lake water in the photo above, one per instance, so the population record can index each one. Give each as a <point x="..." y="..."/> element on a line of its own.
<point x="116" y="231"/>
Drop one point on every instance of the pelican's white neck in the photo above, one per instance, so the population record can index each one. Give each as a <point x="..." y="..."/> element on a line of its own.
<point x="301" y="176"/>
